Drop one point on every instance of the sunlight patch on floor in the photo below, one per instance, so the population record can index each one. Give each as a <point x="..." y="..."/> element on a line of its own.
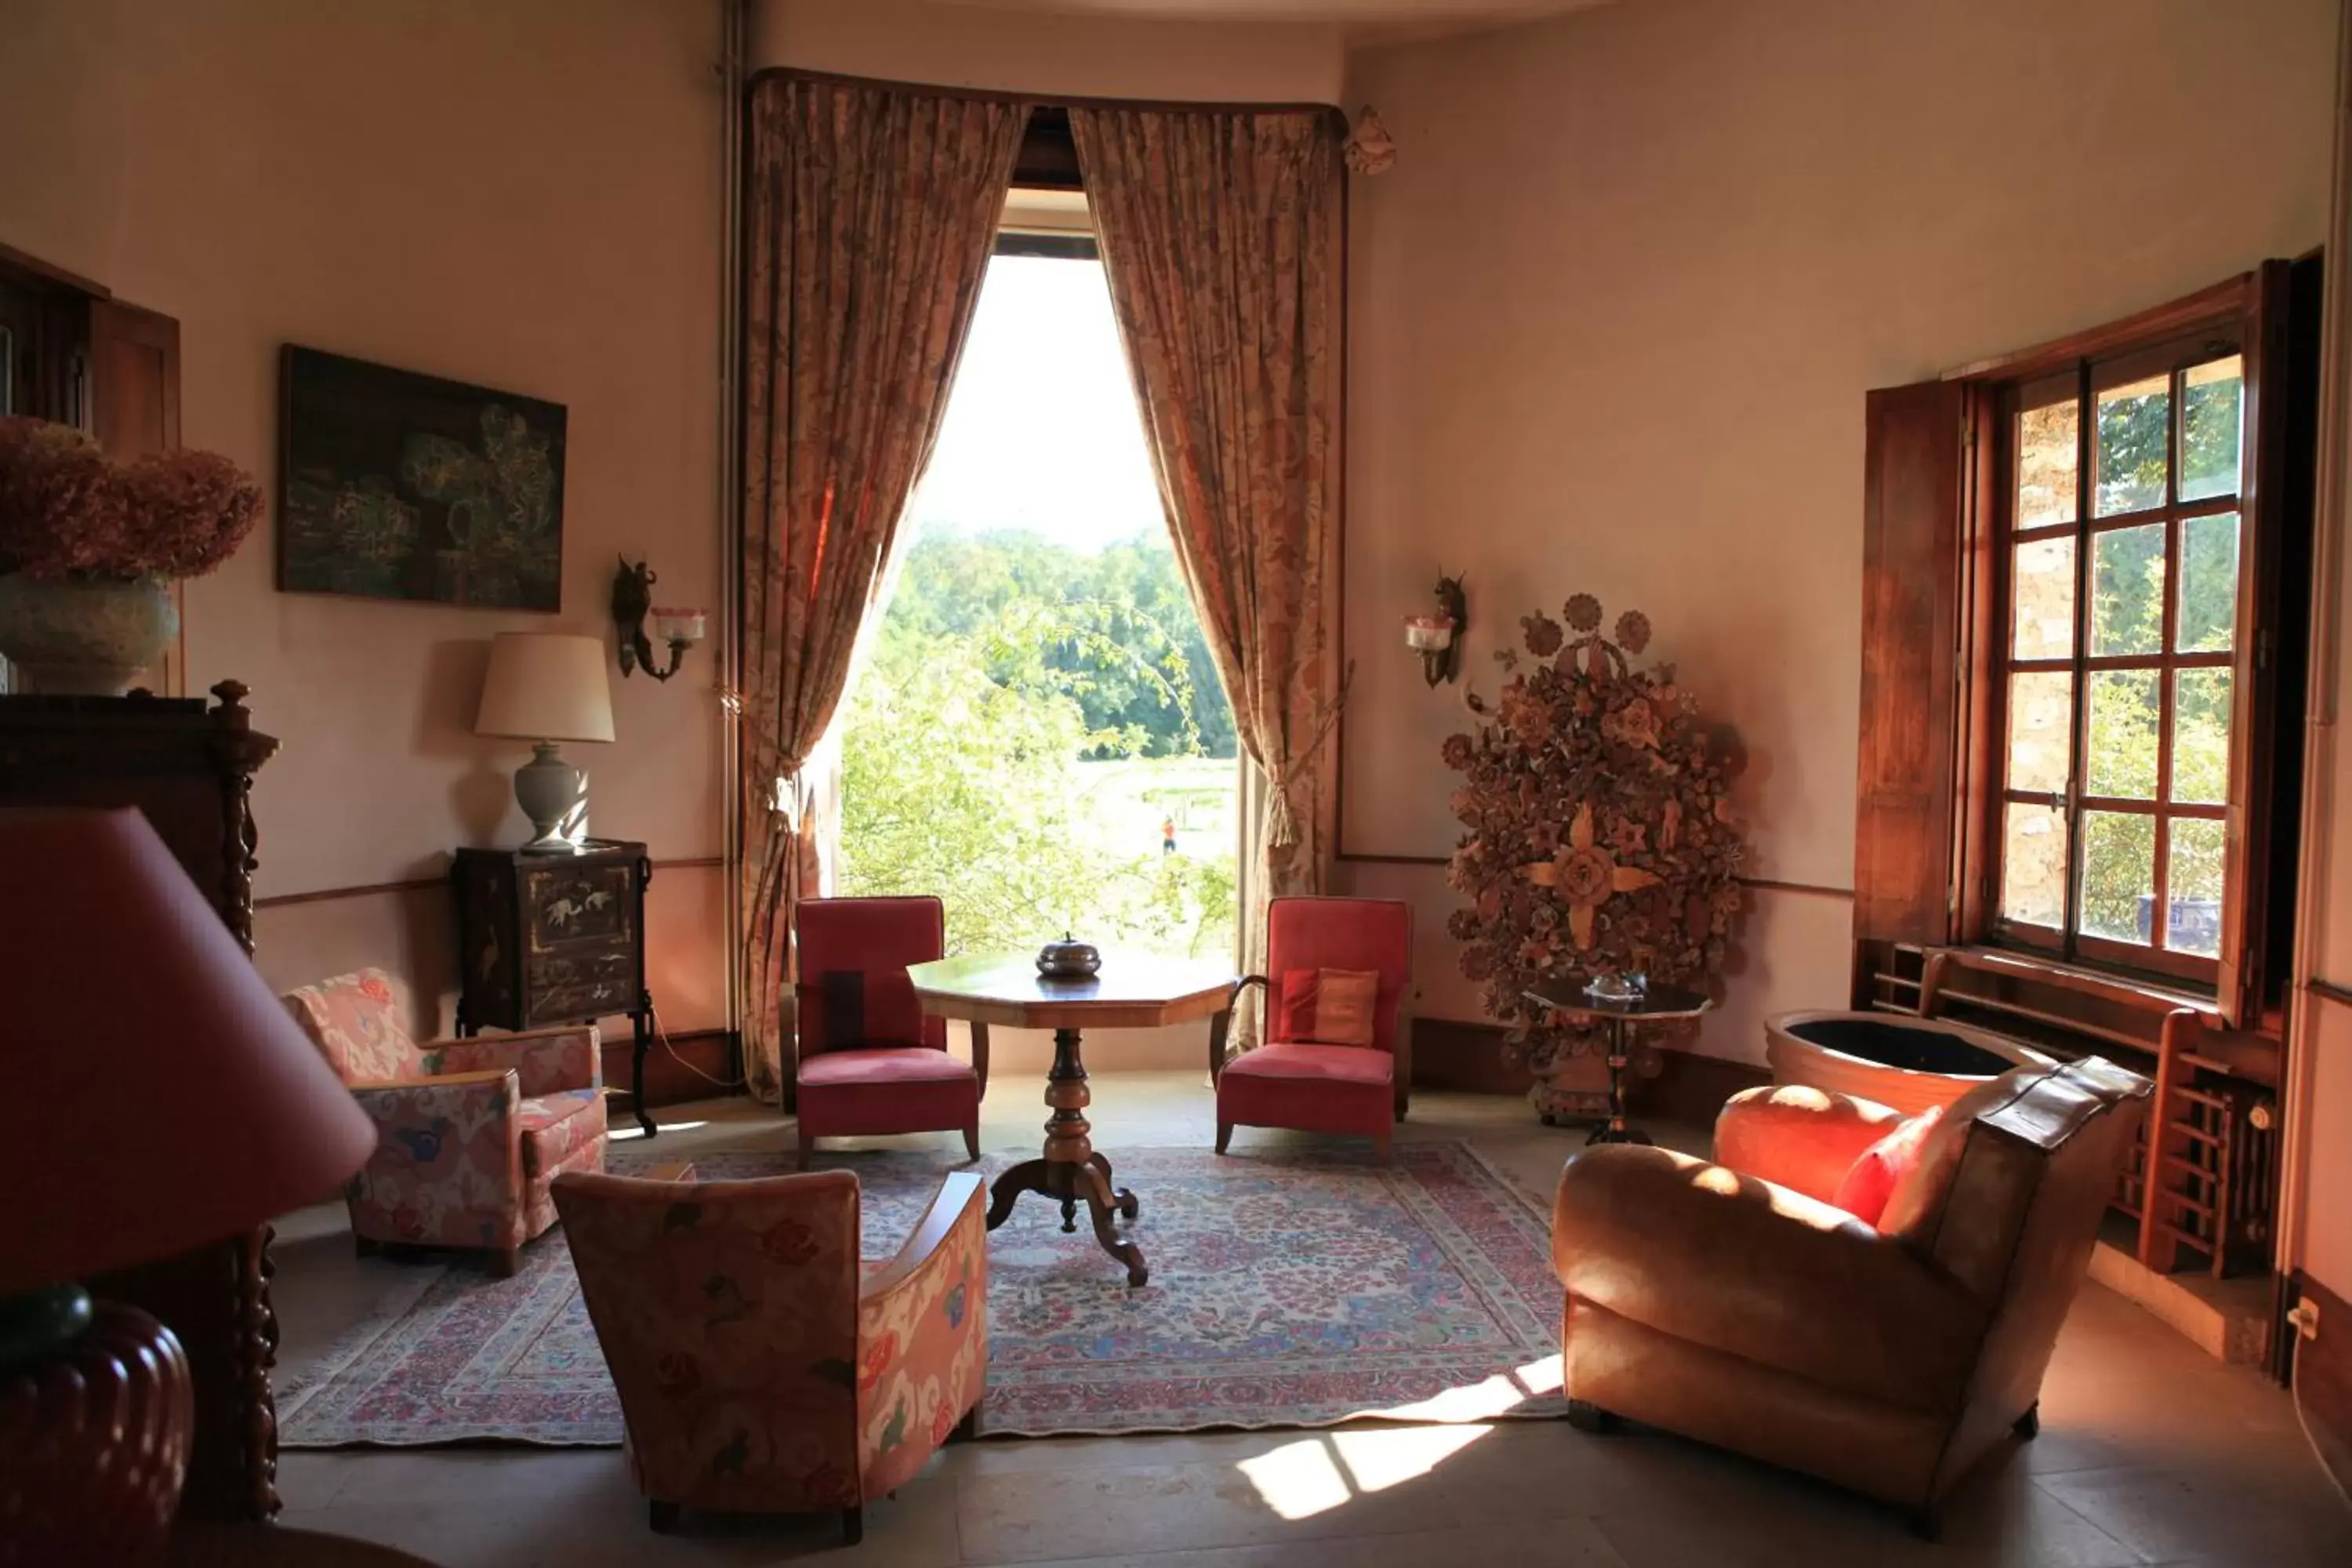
<point x="1498" y="1395"/>
<point x="632" y="1132"/>
<point x="1315" y="1474"/>
<point x="1376" y="1458"/>
<point x="1298" y="1481"/>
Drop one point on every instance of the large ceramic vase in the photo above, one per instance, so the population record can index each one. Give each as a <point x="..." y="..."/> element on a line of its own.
<point x="87" y="638"/>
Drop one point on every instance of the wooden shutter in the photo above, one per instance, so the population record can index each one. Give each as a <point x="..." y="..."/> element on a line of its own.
<point x="134" y="409"/>
<point x="134" y="366"/>
<point x="1916" y="495"/>
<point x="2273" y="612"/>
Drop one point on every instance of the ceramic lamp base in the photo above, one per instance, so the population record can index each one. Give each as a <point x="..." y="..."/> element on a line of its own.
<point x="94" y="1445"/>
<point x="552" y="792"/>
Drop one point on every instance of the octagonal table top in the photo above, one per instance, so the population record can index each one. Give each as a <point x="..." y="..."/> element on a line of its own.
<point x="1135" y="990"/>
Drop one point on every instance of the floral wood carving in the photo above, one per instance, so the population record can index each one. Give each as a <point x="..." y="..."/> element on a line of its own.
<point x="1601" y="836"/>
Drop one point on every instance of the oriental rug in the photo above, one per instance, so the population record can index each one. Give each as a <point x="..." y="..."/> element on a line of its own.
<point x="1287" y="1290"/>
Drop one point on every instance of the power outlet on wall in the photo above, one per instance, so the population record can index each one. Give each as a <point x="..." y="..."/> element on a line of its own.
<point x="2305" y="1318"/>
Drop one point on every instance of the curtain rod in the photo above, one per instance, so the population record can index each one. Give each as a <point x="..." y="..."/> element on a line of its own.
<point x="1045" y="100"/>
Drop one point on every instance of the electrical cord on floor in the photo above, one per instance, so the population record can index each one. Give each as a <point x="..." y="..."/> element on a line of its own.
<point x="662" y="1035"/>
<point x="2296" y="1399"/>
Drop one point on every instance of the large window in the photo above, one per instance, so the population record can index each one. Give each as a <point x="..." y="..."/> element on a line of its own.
<point x="1037" y="734"/>
<point x="2123" y="626"/>
<point x="2086" y="612"/>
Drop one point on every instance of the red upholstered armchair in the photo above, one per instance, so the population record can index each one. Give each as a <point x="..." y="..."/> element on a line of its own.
<point x="1337" y="1057"/>
<point x="760" y="1369"/>
<point x="866" y="1060"/>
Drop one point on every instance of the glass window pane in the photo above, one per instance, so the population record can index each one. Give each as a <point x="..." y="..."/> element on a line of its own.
<point x="2042" y="593"/>
<point x="2200" y="851"/>
<point x="2127" y="707"/>
<point x="2041" y="731"/>
<point x="2212" y="404"/>
<point x="2127" y="591"/>
<point x="2033" y="864"/>
<point x="2200" y="736"/>
<point x="2118" y="876"/>
<point x="2209" y="584"/>
<point x="2135" y="430"/>
<point x="2048" y="446"/>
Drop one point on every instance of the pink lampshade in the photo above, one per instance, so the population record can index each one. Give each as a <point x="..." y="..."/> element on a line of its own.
<point x="159" y="1096"/>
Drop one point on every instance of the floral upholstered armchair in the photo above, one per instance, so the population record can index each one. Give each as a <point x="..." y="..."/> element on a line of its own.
<point x="469" y="1132"/>
<point x="759" y="1372"/>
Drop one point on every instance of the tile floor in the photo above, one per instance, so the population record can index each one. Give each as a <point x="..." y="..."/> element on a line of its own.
<point x="2149" y="1452"/>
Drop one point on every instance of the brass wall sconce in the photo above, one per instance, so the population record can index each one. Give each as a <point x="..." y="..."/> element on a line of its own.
<point x="633" y="605"/>
<point x="1438" y="637"/>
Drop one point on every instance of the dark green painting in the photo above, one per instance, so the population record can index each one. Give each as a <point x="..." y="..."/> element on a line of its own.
<point x="400" y="486"/>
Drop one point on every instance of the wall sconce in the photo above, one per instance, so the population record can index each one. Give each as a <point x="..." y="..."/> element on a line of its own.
<point x="633" y="604"/>
<point x="1438" y="637"/>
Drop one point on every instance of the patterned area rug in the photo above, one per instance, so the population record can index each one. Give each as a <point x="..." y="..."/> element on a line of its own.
<point x="1298" y="1290"/>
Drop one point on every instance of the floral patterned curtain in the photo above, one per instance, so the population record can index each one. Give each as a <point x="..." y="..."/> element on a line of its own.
<point x="1220" y="231"/>
<point x="869" y="218"/>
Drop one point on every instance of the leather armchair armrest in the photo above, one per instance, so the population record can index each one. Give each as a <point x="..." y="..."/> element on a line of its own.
<point x="548" y="1060"/>
<point x="1801" y="1138"/>
<point x="1702" y="1253"/>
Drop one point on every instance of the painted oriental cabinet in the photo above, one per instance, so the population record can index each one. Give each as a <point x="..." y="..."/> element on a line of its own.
<point x="555" y="939"/>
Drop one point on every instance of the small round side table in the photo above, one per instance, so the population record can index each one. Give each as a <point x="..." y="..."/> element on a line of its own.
<point x="1659" y="1004"/>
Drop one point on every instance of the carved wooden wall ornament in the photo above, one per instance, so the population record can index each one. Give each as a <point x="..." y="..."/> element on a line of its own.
<point x="1599" y="833"/>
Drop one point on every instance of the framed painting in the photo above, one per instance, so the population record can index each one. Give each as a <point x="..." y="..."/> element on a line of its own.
<point x="399" y="486"/>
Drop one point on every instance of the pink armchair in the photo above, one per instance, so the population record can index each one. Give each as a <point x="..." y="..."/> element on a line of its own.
<point x="758" y="1371"/>
<point x="471" y="1133"/>
<point x="1338" y="1057"/>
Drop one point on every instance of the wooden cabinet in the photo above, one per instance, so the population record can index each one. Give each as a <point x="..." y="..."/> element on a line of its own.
<point x="189" y="766"/>
<point x="555" y="939"/>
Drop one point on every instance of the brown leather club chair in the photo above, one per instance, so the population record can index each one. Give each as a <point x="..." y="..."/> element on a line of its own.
<point x="1740" y="1307"/>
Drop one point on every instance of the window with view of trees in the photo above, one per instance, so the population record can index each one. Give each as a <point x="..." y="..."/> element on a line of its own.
<point x="1037" y="734"/>
<point x="2086" y="617"/>
<point x="2123" y="629"/>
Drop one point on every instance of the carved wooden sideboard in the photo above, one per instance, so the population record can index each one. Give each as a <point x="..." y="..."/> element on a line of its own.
<point x="189" y="766"/>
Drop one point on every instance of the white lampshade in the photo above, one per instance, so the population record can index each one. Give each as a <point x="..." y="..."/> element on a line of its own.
<point x="546" y="686"/>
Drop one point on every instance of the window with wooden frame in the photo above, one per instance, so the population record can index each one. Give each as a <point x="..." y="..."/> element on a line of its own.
<point x="2117" y="562"/>
<point x="2081" y="629"/>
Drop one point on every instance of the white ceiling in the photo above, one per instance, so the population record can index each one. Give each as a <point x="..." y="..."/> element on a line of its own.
<point x="1437" y="15"/>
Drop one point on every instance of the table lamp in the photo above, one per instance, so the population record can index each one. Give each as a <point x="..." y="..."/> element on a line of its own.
<point x="546" y="687"/>
<point x="174" y="1104"/>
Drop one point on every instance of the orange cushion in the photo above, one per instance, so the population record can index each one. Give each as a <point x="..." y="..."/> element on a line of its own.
<point x="1329" y="1006"/>
<point x="1872" y="1179"/>
<point x="1915" y="1210"/>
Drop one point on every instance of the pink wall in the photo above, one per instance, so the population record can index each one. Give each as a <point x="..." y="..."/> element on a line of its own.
<point x="1034" y="51"/>
<point x="2320" y="1140"/>
<point x="524" y="195"/>
<point x="1615" y="308"/>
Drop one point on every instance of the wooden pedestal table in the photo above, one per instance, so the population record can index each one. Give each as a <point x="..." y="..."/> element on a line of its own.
<point x="1133" y="992"/>
<point x="1659" y="1004"/>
